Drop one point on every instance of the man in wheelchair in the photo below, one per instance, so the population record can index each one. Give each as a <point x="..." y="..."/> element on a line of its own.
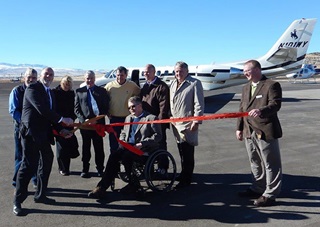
<point x="145" y="137"/>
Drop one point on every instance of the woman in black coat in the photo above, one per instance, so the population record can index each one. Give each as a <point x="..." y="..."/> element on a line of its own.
<point x="65" y="148"/>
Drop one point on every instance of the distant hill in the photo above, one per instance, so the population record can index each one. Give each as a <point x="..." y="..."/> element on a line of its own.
<point x="8" y="70"/>
<point x="313" y="58"/>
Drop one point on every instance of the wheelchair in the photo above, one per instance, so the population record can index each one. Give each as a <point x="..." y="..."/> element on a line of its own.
<point x="158" y="173"/>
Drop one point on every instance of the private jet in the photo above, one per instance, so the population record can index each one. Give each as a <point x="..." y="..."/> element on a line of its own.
<point x="285" y="56"/>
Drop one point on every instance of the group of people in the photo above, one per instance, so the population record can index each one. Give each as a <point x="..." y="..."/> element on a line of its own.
<point x="40" y="114"/>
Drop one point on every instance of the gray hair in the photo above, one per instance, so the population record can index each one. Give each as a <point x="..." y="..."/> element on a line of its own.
<point x="182" y="64"/>
<point x="135" y="99"/>
<point x="30" y="72"/>
<point x="90" y="73"/>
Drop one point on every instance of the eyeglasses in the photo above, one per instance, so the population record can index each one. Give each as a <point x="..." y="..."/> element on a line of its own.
<point x="131" y="107"/>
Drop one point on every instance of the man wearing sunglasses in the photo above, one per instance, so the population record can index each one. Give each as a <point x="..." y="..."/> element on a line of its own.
<point x="145" y="137"/>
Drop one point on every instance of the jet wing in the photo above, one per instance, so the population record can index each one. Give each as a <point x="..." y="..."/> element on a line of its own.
<point x="283" y="54"/>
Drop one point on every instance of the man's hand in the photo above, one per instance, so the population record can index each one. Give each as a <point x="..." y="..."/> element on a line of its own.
<point x="239" y="135"/>
<point x="67" y="121"/>
<point x="65" y="133"/>
<point x="138" y="145"/>
<point x="254" y="113"/>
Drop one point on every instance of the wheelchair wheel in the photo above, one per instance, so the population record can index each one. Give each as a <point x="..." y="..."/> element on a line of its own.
<point x="160" y="171"/>
<point x="137" y="171"/>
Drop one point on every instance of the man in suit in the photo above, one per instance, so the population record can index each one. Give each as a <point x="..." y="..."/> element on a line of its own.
<point x="37" y="121"/>
<point x="186" y="100"/>
<point x="90" y="102"/>
<point x="261" y="97"/>
<point x="145" y="137"/>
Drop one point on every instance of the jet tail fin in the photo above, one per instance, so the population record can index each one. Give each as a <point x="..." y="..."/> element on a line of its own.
<point x="293" y="44"/>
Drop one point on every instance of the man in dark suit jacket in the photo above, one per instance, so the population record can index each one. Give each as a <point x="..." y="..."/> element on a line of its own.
<point x="145" y="137"/>
<point x="90" y="102"/>
<point x="38" y="117"/>
<point x="261" y="130"/>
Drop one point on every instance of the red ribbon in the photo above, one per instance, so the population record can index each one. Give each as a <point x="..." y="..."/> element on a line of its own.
<point x="109" y="128"/>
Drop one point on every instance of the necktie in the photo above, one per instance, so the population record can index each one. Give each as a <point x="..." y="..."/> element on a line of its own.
<point x="253" y="89"/>
<point x="49" y="97"/>
<point x="94" y="104"/>
<point x="133" y="130"/>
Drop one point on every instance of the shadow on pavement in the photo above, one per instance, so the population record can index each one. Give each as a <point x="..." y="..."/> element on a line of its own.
<point x="211" y="196"/>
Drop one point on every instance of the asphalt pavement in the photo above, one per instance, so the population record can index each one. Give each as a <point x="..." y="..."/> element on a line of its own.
<point x="222" y="169"/>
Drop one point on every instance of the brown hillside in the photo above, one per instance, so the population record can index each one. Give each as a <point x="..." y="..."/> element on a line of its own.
<point x="313" y="58"/>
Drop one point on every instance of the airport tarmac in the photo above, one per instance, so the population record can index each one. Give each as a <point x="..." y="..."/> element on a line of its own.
<point x="222" y="169"/>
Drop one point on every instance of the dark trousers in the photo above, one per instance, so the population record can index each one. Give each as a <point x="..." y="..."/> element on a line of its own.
<point x="36" y="157"/>
<point x="62" y="158"/>
<point x="87" y="137"/>
<point x="163" y="141"/>
<point x="186" y="152"/>
<point x="112" y="139"/>
<point x="65" y="150"/>
<point x="113" y="166"/>
<point x="18" y="156"/>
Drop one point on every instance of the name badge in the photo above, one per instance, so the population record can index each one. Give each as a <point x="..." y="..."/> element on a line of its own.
<point x="258" y="96"/>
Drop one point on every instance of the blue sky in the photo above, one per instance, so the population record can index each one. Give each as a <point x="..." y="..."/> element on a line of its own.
<point x="99" y="34"/>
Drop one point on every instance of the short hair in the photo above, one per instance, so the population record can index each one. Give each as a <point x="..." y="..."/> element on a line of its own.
<point x="254" y="63"/>
<point x="182" y="64"/>
<point x="67" y="79"/>
<point x="46" y="69"/>
<point x="135" y="99"/>
<point x="89" y="72"/>
<point x="122" y="69"/>
<point x="30" y="72"/>
<point x="151" y="66"/>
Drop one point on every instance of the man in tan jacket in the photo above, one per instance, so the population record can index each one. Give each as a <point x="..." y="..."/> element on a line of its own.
<point x="186" y="100"/>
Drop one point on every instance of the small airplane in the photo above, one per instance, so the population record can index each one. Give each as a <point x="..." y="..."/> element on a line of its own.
<point x="285" y="56"/>
<point x="306" y="72"/>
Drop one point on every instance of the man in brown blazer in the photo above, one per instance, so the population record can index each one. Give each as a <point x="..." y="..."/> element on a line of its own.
<point x="261" y="98"/>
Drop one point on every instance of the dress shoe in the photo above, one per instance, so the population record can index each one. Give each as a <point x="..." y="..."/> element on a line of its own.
<point x="45" y="200"/>
<point x="17" y="210"/>
<point x="249" y="193"/>
<point x="85" y="175"/>
<point x="182" y="184"/>
<point x="64" y="173"/>
<point x="263" y="201"/>
<point x="100" y="173"/>
<point x="97" y="193"/>
<point x="129" y="189"/>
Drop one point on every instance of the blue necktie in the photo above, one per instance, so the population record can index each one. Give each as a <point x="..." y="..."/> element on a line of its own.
<point x="133" y="131"/>
<point x="94" y="104"/>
